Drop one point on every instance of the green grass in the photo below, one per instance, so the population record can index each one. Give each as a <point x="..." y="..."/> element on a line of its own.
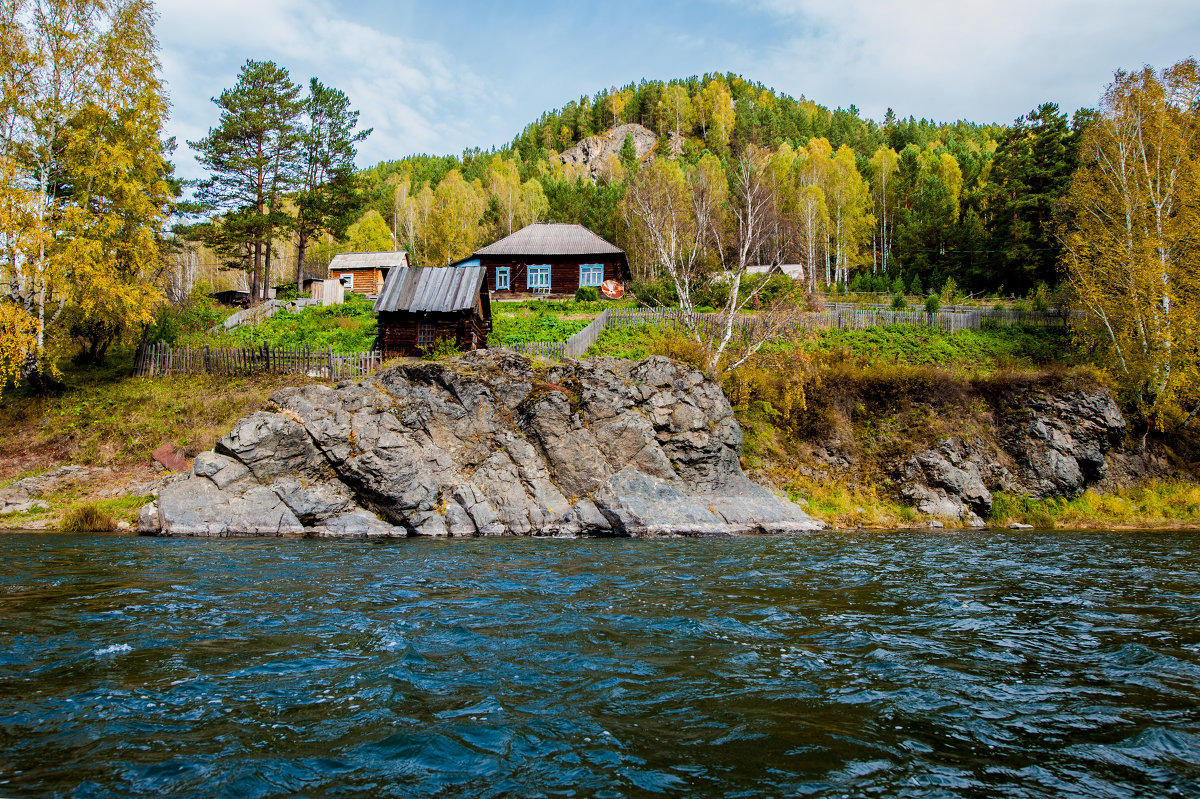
<point x="526" y="327"/>
<point x="349" y="327"/>
<point x="983" y="350"/>
<point x="1157" y="503"/>
<point x="104" y="416"/>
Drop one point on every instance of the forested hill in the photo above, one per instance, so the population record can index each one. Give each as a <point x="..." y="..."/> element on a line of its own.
<point x="964" y="200"/>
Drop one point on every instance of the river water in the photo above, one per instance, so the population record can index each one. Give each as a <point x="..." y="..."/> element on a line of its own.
<point x="884" y="664"/>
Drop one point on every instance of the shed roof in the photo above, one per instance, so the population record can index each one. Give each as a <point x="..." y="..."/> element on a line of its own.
<point x="551" y="238"/>
<point x="431" y="288"/>
<point x="367" y="260"/>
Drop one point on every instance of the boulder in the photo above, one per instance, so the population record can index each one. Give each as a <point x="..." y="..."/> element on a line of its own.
<point x="483" y="445"/>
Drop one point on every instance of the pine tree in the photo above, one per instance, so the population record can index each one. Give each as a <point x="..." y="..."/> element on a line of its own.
<point x="329" y="193"/>
<point x="253" y="157"/>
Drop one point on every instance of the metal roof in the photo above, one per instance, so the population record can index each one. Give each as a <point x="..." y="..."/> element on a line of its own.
<point x="365" y="260"/>
<point x="431" y="288"/>
<point x="551" y="238"/>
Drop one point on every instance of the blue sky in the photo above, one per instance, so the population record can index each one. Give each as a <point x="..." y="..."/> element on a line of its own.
<point x="440" y="77"/>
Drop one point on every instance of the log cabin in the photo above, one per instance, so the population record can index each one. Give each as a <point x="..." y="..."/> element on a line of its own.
<point x="549" y="258"/>
<point x="365" y="272"/>
<point x="421" y="304"/>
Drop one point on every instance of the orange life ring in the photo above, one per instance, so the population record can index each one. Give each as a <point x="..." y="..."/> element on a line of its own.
<point x="612" y="289"/>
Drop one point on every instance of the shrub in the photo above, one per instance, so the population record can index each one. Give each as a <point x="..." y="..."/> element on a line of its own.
<point x="659" y="292"/>
<point x="441" y="349"/>
<point x="933" y="304"/>
<point x="915" y="287"/>
<point x="586" y="294"/>
<point x="898" y="285"/>
<point x="88" y="518"/>
<point x="898" y="301"/>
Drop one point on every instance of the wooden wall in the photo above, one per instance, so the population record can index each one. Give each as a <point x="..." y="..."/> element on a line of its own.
<point x="397" y="331"/>
<point x="564" y="271"/>
<point x="367" y="280"/>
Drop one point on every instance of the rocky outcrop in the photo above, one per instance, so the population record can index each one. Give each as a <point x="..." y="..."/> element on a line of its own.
<point x="594" y="151"/>
<point x="25" y="495"/>
<point x="1046" y="444"/>
<point x="482" y="445"/>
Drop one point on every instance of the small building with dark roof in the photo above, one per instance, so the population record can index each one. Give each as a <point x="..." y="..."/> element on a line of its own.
<point x="549" y="258"/>
<point x="365" y="272"/>
<point x="421" y="304"/>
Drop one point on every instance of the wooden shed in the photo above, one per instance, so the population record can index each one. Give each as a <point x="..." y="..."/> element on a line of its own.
<point x="365" y="272"/>
<point x="550" y="258"/>
<point x="421" y="304"/>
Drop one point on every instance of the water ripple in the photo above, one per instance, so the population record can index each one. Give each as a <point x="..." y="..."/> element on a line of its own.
<point x="902" y="664"/>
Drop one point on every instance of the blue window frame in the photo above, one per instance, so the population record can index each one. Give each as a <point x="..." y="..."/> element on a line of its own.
<point x="538" y="277"/>
<point x="591" y="274"/>
<point x="502" y="275"/>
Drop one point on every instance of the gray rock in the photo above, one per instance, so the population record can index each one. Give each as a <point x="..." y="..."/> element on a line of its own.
<point x="937" y="487"/>
<point x="481" y="445"/>
<point x="1020" y="526"/>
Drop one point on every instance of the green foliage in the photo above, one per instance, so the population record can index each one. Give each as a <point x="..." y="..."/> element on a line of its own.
<point x="197" y="315"/>
<point x="898" y="285"/>
<point x="440" y="350"/>
<point x="587" y="294"/>
<point x="540" y="325"/>
<point x="914" y="286"/>
<point x="660" y="293"/>
<point x="977" y="350"/>
<point x="899" y="303"/>
<point x="349" y="327"/>
<point x="950" y="291"/>
<point x="88" y="518"/>
<point x="933" y="304"/>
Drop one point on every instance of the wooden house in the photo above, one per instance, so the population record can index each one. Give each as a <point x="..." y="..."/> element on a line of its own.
<point x="550" y="258"/>
<point x="365" y="272"/>
<point x="421" y="304"/>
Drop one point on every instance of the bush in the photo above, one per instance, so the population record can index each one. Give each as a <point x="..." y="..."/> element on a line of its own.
<point x="586" y="294"/>
<point x="658" y="292"/>
<point x="915" y="286"/>
<point x="88" y="518"/>
<point x="898" y="285"/>
<point x="441" y="349"/>
<point x="898" y="301"/>
<point x="933" y="304"/>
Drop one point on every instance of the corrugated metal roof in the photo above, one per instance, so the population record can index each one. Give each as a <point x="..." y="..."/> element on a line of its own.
<point x="431" y="288"/>
<point x="551" y="238"/>
<point x="364" y="260"/>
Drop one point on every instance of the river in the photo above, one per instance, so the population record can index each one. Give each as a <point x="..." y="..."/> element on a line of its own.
<point x="892" y="664"/>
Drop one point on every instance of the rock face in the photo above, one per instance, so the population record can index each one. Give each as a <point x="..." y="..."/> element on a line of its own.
<point x="482" y="445"/>
<point x="1049" y="445"/>
<point x="594" y="151"/>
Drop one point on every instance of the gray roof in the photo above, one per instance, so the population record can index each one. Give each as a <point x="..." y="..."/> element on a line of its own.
<point x="431" y="288"/>
<point x="365" y="260"/>
<point x="551" y="238"/>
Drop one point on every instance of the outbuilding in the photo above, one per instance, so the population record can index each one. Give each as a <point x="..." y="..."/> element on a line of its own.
<point x="551" y="258"/>
<point x="421" y="304"/>
<point x="365" y="272"/>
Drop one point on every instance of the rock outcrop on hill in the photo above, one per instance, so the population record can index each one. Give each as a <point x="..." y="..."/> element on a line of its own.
<point x="594" y="151"/>
<point x="483" y="445"/>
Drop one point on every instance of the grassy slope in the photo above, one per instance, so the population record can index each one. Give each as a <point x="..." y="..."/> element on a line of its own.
<point x="880" y="394"/>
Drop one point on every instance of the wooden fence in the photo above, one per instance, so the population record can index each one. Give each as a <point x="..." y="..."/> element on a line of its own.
<point x="157" y="360"/>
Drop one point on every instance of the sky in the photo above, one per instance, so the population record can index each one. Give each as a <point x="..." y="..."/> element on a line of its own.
<point x="440" y="77"/>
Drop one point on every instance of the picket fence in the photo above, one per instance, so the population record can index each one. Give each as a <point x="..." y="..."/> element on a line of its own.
<point x="158" y="360"/>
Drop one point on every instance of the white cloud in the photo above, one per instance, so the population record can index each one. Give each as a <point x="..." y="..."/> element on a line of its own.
<point x="985" y="61"/>
<point x="410" y="92"/>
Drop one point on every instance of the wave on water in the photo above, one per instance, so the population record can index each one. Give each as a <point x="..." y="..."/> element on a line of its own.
<point x="112" y="649"/>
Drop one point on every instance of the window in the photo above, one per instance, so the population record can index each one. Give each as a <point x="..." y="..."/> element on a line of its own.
<point x="426" y="334"/>
<point x="502" y="274"/>
<point x="347" y="279"/>
<point x="591" y="274"/>
<point x="538" y="277"/>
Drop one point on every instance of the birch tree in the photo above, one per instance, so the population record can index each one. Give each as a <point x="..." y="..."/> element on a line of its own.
<point x="1132" y="242"/>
